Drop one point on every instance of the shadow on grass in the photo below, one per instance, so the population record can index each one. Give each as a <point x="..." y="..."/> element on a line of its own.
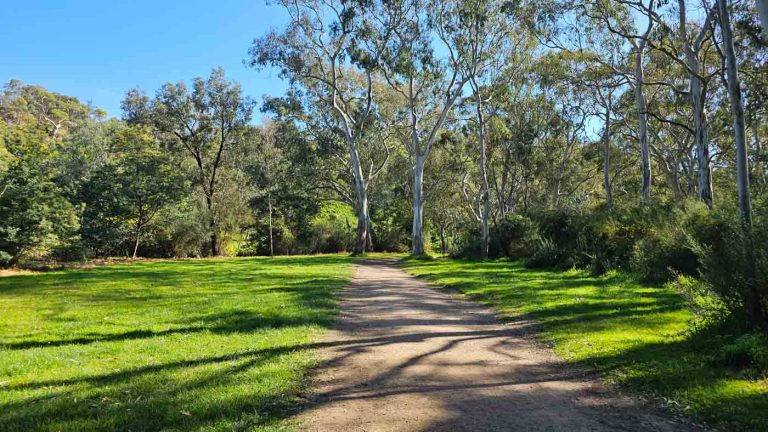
<point x="628" y="331"/>
<point x="156" y="397"/>
<point x="164" y="385"/>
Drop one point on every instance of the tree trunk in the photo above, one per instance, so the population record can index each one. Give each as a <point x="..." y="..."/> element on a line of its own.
<point x="136" y="246"/>
<point x="212" y="226"/>
<point x="702" y="143"/>
<point x="642" y="125"/>
<point x="486" y="237"/>
<point x="271" y="238"/>
<point x="361" y="245"/>
<point x="752" y="299"/>
<point x="737" y="110"/>
<point x="698" y="100"/>
<point x="443" y="244"/>
<point x="607" y="153"/>
<point x="417" y="234"/>
<point x="362" y="199"/>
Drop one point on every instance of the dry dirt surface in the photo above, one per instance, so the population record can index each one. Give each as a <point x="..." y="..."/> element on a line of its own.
<point x="404" y="357"/>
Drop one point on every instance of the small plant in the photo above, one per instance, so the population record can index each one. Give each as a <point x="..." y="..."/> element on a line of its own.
<point x="548" y="255"/>
<point x="748" y="351"/>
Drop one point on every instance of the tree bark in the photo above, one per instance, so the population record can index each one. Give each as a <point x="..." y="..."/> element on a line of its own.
<point x="642" y="124"/>
<point x="737" y="111"/>
<point x="607" y="153"/>
<point x="363" y="219"/>
<point x="361" y="194"/>
<point x="417" y="235"/>
<point x="271" y="237"/>
<point x="698" y="100"/>
<point x="212" y="226"/>
<point x="486" y="198"/>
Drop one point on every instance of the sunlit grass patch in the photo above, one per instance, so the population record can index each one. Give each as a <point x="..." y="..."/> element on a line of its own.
<point x="634" y="334"/>
<point x="176" y="345"/>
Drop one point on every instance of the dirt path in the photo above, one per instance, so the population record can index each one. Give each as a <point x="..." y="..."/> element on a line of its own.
<point x="404" y="357"/>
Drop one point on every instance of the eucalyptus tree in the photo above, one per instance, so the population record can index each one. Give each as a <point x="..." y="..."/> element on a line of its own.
<point x="420" y="62"/>
<point x="327" y="51"/>
<point x="617" y="17"/>
<point x="206" y="125"/>
<point x="483" y="37"/>
<point x="699" y="83"/>
<point x="737" y="111"/>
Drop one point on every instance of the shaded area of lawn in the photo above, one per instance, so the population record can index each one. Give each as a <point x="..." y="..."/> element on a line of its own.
<point x="174" y="345"/>
<point x="631" y="333"/>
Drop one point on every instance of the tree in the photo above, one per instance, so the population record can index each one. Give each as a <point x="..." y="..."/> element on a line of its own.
<point x="324" y="51"/>
<point x="481" y="42"/>
<point x="737" y="111"/>
<point x="421" y="64"/>
<point x="125" y="194"/>
<point x="35" y="217"/>
<point x="206" y="125"/>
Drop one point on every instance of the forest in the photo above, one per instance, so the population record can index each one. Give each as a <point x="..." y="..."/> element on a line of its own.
<point x="617" y="138"/>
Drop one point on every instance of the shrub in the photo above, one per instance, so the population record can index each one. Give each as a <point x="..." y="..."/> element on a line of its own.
<point x="735" y="264"/>
<point x="547" y="255"/>
<point x="747" y="351"/>
<point x="667" y="248"/>
<point x="517" y="235"/>
<point x="332" y="229"/>
<point x="468" y="243"/>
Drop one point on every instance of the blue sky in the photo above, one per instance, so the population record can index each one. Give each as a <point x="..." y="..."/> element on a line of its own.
<point x="97" y="50"/>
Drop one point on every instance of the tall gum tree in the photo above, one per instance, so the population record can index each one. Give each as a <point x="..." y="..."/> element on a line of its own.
<point x="616" y="17"/>
<point x="482" y="42"/>
<point x="421" y="64"/>
<point x="322" y="50"/>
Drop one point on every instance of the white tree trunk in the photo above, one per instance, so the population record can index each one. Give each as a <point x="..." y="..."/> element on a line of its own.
<point x="361" y="195"/>
<point x="642" y="124"/>
<point x="486" y="197"/>
<point x="417" y="232"/>
<point x="698" y="99"/>
<point x="737" y="110"/>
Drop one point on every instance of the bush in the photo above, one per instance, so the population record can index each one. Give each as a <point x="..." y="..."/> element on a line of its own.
<point x="563" y="228"/>
<point x="747" y="351"/>
<point x="667" y="249"/>
<point x="735" y="264"/>
<point x="468" y="243"/>
<point x="548" y="255"/>
<point x="517" y="235"/>
<point x="332" y="229"/>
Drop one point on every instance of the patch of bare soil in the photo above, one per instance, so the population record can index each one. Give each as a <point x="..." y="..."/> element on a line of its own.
<point x="404" y="357"/>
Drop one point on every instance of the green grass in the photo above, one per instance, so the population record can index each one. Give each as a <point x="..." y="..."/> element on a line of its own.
<point x="635" y="335"/>
<point x="203" y="345"/>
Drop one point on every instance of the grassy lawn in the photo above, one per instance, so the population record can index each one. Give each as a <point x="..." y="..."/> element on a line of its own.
<point x="201" y="345"/>
<point x="633" y="334"/>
